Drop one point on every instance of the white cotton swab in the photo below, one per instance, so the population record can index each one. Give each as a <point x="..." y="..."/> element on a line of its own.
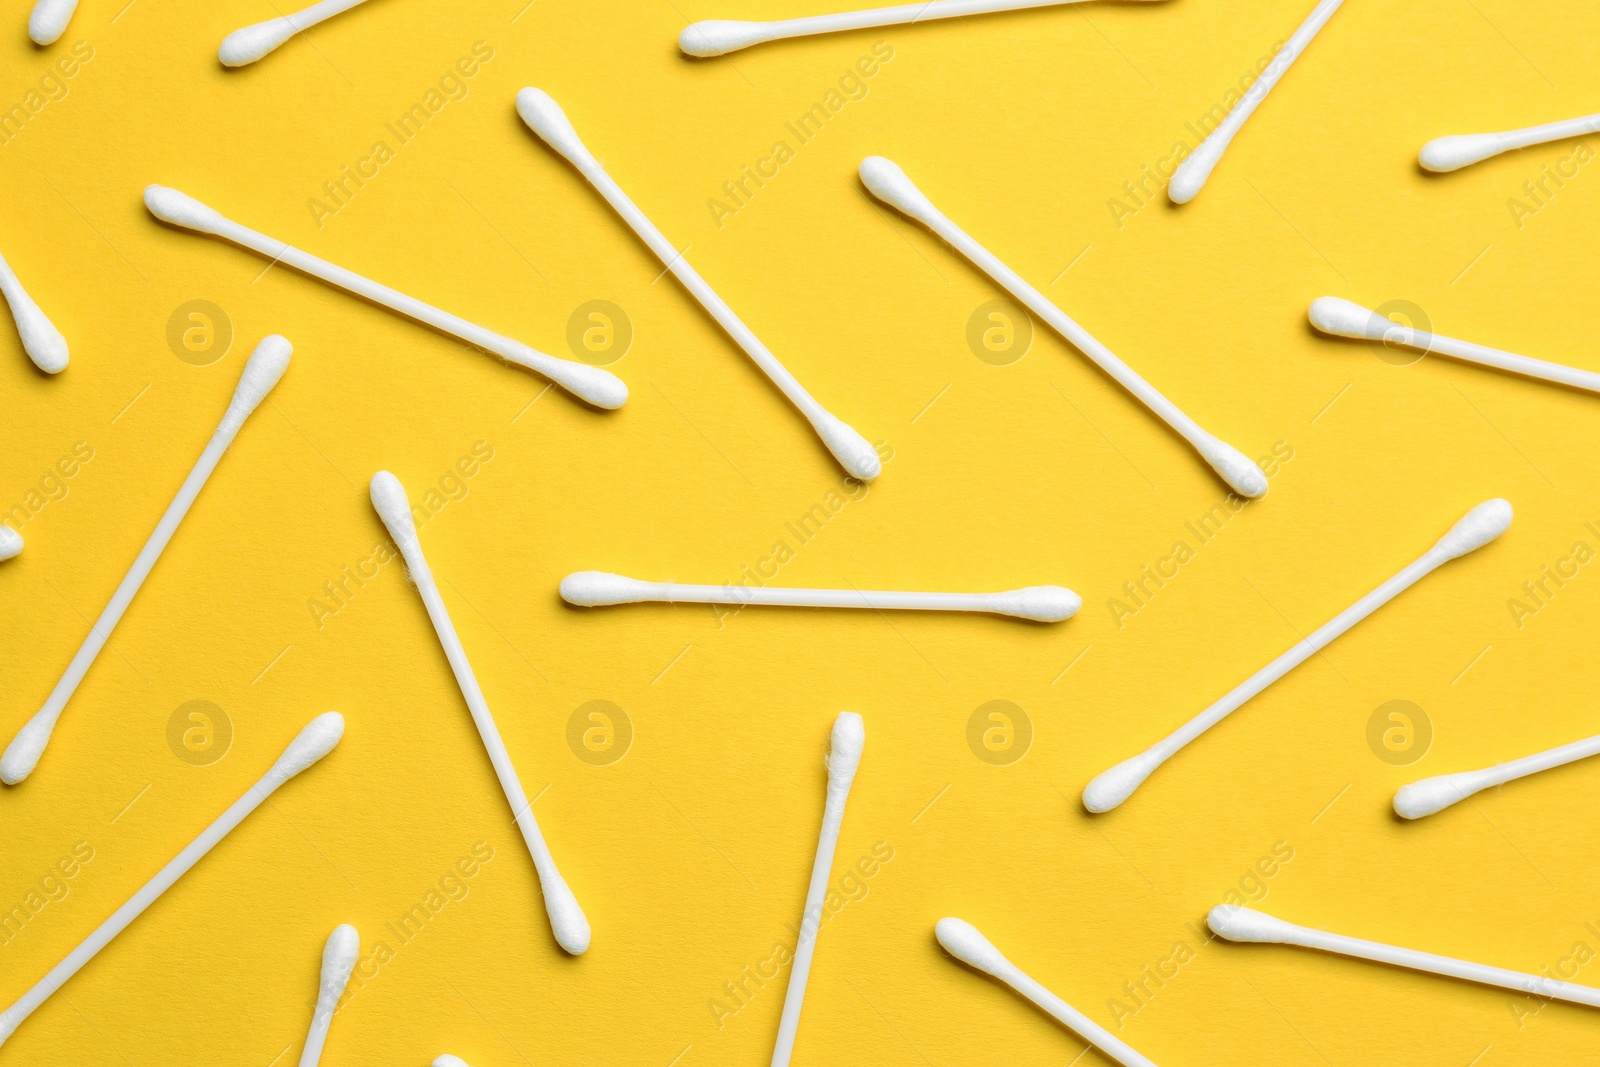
<point x="245" y="46"/>
<point x="1477" y="528"/>
<point x="599" y="387"/>
<point x="49" y="20"/>
<point x="309" y="746"/>
<point x="1040" y="603"/>
<point x="40" y="338"/>
<point x="844" y="756"/>
<point x="715" y="37"/>
<point x="1342" y="318"/>
<point x="1191" y="175"/>
<point x="1444" y="154"/>
<point x="885" y="180"/>
<point x="1238" y="923"/>
<point x="1429" y="795"/>
<point x="545" y="118"/>
<point x="265" y="366"/>
<point x="963" y="941"/>
<point x="448" y="1060"/>
<point x="10" y="542"/>
<point x="567" y="921"/>
<point x="338" y="961"/>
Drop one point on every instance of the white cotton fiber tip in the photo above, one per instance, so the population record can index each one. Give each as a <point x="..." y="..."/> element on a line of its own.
<point x="10" y="1019"/>
<point x="845" y="745"/>
<point x="1110" y="788"/>
<point x="49" y="20"/>
<point x="22" y="755"/>
<point x="1477" y="528"/>
<point x="264" y="370"/>
<point x="1243" y="924"/>
<point x="1344" y="318"/>
<point x="393" y="507"/>
<point x="567" y="921"/>
<point x="40" y="338"/>
<point x="854" y="453"/>
<point x="885" y="180"/>
<point x="592" y="589"/>
<point x="963" y="941"/>
<point x="448" y="1060"/>
<point x="593" y="384"/>
<point x="1237" y="469"/>
<point x="1191" y="175"/>
<point x="10" y="542"/>
<point x="1041" y="603"/>
<point x="338" y="961"/>
<point x="545" y="118"/>
<point x="1452" y="153"/>
<point x="318" y="739"/>
<point x="251" y="43"/>
<point x="714" y="37"/>
<point x="1422" y="798"/>
<point x="181" y="209"/>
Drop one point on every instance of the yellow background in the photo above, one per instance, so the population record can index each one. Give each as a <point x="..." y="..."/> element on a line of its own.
<point x="691" y="854"/>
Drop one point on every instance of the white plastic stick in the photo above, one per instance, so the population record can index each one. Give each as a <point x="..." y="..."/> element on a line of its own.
<point x="567" y="921"/>
<point x="1041" y="603"/>
<point x="1238" y="923"/>
<point x="1429" y="795"/>
<point x="545" y="118"/>
<point x="844" y="756"/>
<point x="1477" y="528"/>
<point x="310" y="745"/>
<point x="40" y="338"/>
<point x="963" y="941"/>
<point x="10" y="542"/>
<point x="49" y="20"/>
<point x="338" y="960"/>
<point x="1452" y="153"/>
<point x="715" y="37"/>
<point x="593" y="384"/>
<point x="1343" y="318"/>
<point x="885" y="180"/>
<point x="1191" y="175"/>
<point x="251" y="43"/>
<point x="265" y="366"/>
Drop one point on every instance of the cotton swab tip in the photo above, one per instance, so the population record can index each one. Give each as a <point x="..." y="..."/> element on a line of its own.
<point x="1237" y="469"/>
<point x="1041" y="603"/>
<point x="963" y="941"/>
<point x="1345" y="318"/>
<point x="338" y="962"/>
<point x="181" y="209"/>
<point x="264" y="370"/>
<point x="1194" y="171"/>
<point x="1445" y="154"/>
<point x="1238" y="923"/>
<point x="845" y="746"/>
<point x="885" y="180"/>
<point x="545" y="118"/>
<point x="1419" y="799"/>
<point x="714" y="37"/>
<point x="40" y="338"/>
<point x="22" y="755"/>
<point x="592" y="589"/>
<point x="595" y="385"/>
<point x="567" y="920"/>
<point x="10" y="1019"/>
<point x="49" y="19"/>
<point x="319" y="738"/>
<point x="245" y="46"/>
<point x="394" y="507"/>
<point x="1110" y="788"/>
<point x="1477" y="528"/>
<point x="10" y="542"/>
<point x="854" y="453"/>
<point x="448" y="1060"/>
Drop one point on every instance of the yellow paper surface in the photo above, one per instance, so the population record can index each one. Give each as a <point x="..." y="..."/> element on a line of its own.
<point x="691" y="852"/>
